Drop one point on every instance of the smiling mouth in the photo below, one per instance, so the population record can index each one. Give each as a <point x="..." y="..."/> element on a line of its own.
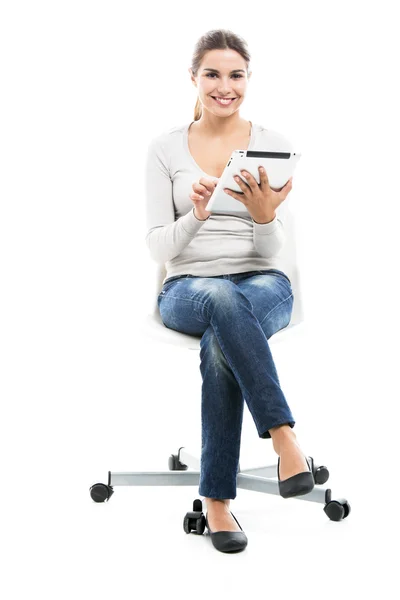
<point x="223" y="103"/>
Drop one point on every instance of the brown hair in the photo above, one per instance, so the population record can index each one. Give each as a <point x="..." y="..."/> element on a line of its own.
<point x="216" y="39"/>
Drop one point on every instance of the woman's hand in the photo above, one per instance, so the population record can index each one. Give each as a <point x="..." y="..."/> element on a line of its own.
<point x="202" y="191"/>
<point x="260" y="199"/>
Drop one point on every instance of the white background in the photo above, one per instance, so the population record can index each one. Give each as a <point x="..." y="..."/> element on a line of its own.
<point x="85" y="87"/>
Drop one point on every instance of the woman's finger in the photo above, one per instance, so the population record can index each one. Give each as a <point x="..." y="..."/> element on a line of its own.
<point x="250" y="180"/>
<point x="288" y="186"/>
<point x="243" y="186"/>
<point x="202" y="189"/>
<point x="207" y="184"/>
<point x="264" y="181"/>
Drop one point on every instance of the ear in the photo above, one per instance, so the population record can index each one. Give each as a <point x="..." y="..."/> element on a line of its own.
<point x="192" y="77"/>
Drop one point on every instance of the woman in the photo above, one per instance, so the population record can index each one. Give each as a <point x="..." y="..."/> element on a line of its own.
<point x="223" y="277"/>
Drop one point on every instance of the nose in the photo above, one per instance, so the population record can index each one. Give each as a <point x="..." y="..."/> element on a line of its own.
<point x="225" y="91"/>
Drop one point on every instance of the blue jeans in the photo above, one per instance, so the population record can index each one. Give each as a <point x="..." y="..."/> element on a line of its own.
<point x="235" y="315"/>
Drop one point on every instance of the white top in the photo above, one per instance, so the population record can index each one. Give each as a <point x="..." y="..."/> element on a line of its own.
<point x="222" y="244"/>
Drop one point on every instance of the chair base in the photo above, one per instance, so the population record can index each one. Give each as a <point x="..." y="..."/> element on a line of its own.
<point x="258" y="479"/>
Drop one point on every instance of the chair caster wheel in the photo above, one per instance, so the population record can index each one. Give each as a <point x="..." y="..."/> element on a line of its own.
<point x="100" y="492"/>
<point x="174" y="464"/>
<point x="195" y="520"/>
<point x="336" y="509"/>
<point x="320" y="473"/>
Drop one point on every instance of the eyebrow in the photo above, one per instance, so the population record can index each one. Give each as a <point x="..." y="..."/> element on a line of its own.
<point x="234" y="70"/>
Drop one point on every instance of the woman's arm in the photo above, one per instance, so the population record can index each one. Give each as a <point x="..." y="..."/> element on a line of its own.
<point x="165" y="238"/>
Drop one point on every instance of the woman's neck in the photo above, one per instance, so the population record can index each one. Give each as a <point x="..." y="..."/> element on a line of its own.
<point x="221" y="128"/>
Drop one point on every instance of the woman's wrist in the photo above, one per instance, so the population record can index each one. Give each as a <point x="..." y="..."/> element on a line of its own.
<point x="198" y="217"/>
<point x="264" y="220"/>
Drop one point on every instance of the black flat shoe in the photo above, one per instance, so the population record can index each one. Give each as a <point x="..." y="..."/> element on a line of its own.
<point x="228" y="541"/>
<point x="299" y="484"/>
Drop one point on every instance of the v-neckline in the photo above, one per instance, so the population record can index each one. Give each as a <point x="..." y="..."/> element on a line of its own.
<point x="186" y="144"/>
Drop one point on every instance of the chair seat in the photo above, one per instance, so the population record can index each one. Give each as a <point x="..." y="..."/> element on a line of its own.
<point x="155" y="328"/>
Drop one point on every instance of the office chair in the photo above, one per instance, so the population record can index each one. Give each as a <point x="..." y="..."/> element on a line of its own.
<point x="259" y="479"/>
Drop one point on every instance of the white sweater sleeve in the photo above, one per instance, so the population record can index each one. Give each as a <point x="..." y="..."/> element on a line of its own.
<point x="268" y="238"/>
<point x="165" y="237"/>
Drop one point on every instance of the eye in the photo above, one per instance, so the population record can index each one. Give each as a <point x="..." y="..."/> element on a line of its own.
<point x="236" y="75"/>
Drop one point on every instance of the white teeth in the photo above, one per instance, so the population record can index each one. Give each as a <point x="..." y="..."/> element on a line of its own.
<point x="226" y="101"/>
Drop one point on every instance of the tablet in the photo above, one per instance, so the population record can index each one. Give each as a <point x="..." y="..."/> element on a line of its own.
<point x="279" y="166"/>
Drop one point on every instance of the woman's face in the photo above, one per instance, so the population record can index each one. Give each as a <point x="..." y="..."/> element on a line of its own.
<point x="223" y="74"/>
